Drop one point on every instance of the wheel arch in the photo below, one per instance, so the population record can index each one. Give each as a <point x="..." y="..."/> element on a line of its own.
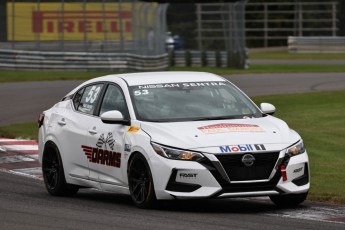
<point x="131" y="158"/>
<point x="49" y="145"/>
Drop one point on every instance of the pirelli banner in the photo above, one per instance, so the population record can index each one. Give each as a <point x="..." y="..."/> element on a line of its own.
<point x="69" y="21"/>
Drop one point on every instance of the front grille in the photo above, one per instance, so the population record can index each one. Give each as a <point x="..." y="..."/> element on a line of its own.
<point x="260" y="170"/>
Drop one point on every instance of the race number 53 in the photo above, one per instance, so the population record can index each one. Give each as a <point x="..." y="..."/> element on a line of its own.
<point x="141" y="92"/>
<point x="93" y="93"/>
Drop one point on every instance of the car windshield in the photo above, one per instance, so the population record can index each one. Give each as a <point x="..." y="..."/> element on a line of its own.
<point x="191" y="101"/>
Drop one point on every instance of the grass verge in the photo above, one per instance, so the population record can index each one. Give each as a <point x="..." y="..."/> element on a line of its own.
<point x="318" y="117"/>
<point x="23" y="130"/>
<point x="24" y="76"/>
<point x="285" y="55"/>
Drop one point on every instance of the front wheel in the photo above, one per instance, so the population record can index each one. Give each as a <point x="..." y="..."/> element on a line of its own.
<point x="140" y="182"/>
<point x="290" y="200"/>
<point x="53" y="173"/>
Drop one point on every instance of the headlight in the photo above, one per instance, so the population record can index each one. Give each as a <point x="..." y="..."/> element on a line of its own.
<point x="296" y="149"/>
<point x="176" y="154"/>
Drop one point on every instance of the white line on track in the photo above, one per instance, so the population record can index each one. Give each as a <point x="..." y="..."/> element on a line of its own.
<point x="20" y="147"/>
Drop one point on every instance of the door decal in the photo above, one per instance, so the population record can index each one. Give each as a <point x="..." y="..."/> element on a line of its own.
<point x="103" y="152"/>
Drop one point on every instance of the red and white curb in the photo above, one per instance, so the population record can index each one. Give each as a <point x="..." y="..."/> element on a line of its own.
<point x="20" y="156"/>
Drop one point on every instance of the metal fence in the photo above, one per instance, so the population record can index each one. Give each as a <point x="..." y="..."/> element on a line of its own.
<point x="270" y="23"/>
<point x="99" y="26"/>
<point x="222" y="27"/>
<point x="102" y="35"/>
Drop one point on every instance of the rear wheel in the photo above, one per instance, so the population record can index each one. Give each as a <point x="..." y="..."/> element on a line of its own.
<point x="140" y="182"/>
<point x="53" y="173"/>
<point x="290" y="200"/>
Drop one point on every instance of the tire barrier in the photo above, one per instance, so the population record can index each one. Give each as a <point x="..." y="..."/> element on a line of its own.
<point x="37" y="60"/>
<point x="184" y="58"/>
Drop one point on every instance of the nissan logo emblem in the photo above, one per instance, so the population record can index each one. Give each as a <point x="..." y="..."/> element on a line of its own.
<point x="248" y="160"/>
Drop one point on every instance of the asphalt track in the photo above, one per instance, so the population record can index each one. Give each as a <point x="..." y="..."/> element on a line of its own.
<point x="22" y="102"/>
<point x="24" y="203"/>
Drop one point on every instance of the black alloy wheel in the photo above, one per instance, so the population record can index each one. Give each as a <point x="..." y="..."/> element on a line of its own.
<point x="51" y="169"/>
<point x="53" y="173"/>
<point x="140" y="182"/>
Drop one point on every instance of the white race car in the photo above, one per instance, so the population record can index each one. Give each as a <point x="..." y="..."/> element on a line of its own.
<point x="170" y="135"/>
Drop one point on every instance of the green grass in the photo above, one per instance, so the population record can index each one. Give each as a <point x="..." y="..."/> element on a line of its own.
<point x="317" y="117"/>
<point x="285" y="55"/>
<point x="24" y="130"/>
<point x="23" y="76"/>
<point x="267" y="69"/>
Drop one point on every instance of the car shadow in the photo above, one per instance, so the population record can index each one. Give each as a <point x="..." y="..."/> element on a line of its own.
<point x="228" y="205"/>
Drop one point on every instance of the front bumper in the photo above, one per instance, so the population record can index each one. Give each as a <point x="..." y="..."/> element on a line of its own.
<point x="174" y="179"/>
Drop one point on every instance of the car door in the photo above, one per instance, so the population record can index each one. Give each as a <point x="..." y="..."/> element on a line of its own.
<point x="108" y="139"/>
<point x="74" y="123"/>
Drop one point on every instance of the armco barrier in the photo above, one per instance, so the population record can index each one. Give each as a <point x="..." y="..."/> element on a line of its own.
<point x="34" y="60"/>
<point x="316" y="44"/>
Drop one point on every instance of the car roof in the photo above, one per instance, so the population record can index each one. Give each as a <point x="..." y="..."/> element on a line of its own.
<point x="133" y="79"/>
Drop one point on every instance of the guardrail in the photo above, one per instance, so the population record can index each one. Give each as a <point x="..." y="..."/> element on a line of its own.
<point x="316" y="44"/>
<point x="36" y="60"/>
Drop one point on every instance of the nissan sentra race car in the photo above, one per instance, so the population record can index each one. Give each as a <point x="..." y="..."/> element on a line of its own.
<point x="170" y="135"/>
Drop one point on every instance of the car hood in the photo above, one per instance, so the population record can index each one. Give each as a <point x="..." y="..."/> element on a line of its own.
<point x="218" y="136"/>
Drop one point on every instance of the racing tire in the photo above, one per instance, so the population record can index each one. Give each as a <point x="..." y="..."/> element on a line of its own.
<point x="290" y="200"/>
<point x="141" y="183"/>
<point x="53" y="173"/>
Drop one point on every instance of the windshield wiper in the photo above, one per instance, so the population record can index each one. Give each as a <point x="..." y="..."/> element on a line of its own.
<point x="215" y="118"/>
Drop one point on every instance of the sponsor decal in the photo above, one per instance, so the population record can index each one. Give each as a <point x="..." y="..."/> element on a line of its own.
<point x="106" y="143"/>
<point x="228" y="127"/>
<point x="102" y="156"/>
<point x="180" y="85"/>
<point x="297" y="170"/>
<point x="188" y="175"/>
<point x="103" y="152"/>
<point x="259" y="147"/>
<point x="49" y="20"/>
<point x="127" y="147"/>
<point x="241" y="148"/>
<point x="236" y="148"/>
<point x="133" y="129"/>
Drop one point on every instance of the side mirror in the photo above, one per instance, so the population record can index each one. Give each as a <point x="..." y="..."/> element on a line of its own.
<point x="267" y="108"/>
<point x="114" y="117"/>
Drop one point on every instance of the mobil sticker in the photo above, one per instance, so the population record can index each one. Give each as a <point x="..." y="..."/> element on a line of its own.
<point x="241" y="148"/>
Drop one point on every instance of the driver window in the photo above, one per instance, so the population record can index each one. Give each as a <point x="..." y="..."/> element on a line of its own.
<point x="114" y="100"/>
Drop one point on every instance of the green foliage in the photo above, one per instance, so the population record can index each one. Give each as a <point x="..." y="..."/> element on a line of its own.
<point x="319" y="119"/>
